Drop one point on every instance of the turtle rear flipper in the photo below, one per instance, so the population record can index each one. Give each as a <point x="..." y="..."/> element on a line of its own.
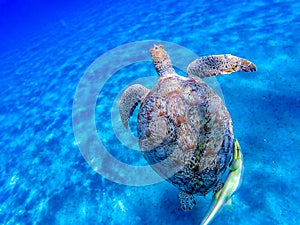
<point x="130" y="99"/>
<point x="232" y="182"/>
<point x="218" y="187"/>
<point x="187" y="201"/>
<point x="212" y="65"/>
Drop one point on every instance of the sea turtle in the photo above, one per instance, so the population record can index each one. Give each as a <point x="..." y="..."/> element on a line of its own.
<point x="185" y="131"/>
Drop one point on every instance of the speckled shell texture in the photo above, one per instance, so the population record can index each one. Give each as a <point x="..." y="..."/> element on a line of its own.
<point x="185" y="133"/>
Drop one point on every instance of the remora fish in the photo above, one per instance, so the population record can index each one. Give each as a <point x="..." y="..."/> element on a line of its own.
<point x="230" y="186"/>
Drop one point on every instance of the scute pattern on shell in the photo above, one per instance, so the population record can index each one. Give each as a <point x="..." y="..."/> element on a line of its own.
<point x="185" y="126"/>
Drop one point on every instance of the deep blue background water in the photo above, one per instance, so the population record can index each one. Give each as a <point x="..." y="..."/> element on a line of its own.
<point x="45" y="47"/>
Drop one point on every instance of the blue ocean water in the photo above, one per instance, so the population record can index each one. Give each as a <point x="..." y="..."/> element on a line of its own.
<point x="46" y="47"/>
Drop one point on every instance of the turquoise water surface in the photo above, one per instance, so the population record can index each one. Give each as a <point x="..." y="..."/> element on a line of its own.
<point x="45" y="49"/>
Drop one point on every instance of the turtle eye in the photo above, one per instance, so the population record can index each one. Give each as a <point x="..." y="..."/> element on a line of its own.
<point x="156" y="47"/>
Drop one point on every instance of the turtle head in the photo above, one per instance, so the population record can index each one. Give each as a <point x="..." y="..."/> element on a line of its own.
<point x="161" y="60"/>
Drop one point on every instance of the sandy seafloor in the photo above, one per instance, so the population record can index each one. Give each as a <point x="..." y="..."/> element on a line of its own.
<point x="44" y="178"/>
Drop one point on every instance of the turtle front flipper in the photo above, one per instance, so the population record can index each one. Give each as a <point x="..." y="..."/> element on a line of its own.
<point x="130" y="99"/>
<point x="187" y="201"/>
<point x="212" y="65"/>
